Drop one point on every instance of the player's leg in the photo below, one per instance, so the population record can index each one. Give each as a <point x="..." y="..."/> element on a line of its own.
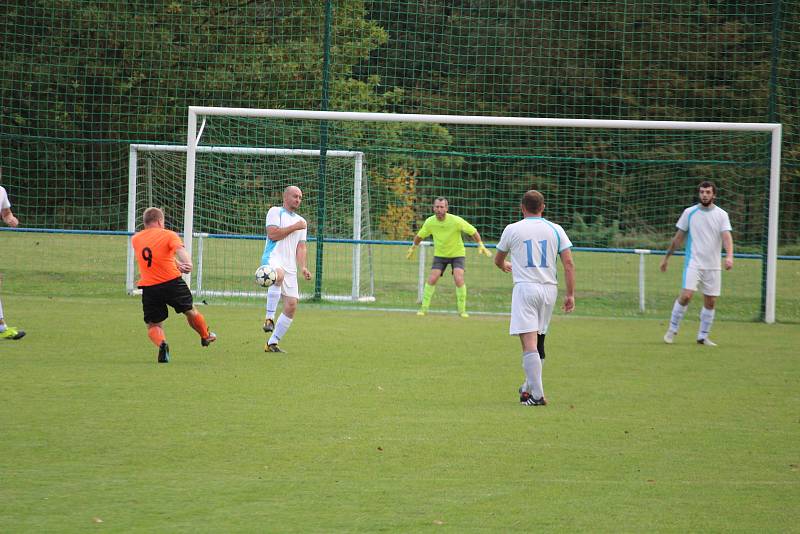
<point x="282" y="324"/>
<point x="291" y="296"/>
<point x="526" y="302"/>
<point x="545" y="303"/>
<point x="711" y="285"/>
<point x="8" y="332"/>
<point x="198" y="322"/>
<point x="532" y="365"/>
<point x="430" y="285"/>
<point x="178" y="295"/>
<point x="155" y="331"/>
<point x="461" y="286"/>
<point x="273" y="298"/>
<point x="155" y="313"/>
<point x="689" y="286"/>
<point x="544" y="324"/>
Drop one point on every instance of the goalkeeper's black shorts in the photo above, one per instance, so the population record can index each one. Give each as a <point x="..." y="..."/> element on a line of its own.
<point x="455" y="263"/>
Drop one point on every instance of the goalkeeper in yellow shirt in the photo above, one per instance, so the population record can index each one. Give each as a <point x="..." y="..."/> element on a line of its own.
<point x="448" y="249"/>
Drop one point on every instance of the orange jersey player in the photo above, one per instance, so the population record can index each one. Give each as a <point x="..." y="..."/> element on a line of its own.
<point x="162" y="258"/>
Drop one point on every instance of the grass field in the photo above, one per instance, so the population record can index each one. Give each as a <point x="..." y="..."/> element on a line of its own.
<point x="608" y="285"/>
<point x="390" y="422"/>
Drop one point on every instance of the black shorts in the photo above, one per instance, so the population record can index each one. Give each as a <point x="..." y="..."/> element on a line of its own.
<point x="442" y="263"/>
<point x="155" y="299"/>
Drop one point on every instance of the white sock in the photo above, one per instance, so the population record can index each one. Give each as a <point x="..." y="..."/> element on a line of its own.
<point x="2" y="326"/>
<point x="532" y="366"/>
<point x="678" y="312"/>
<point x="273" y="298"/>
<point x="706" y="320"/>
<point x="281" y="326"/>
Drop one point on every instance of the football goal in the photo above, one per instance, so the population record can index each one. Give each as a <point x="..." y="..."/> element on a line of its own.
<point x="229" y="195"/>
<point x="617" y="186"/>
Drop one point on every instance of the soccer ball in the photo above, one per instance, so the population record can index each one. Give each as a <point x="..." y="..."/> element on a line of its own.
<point x="265" y="276"/>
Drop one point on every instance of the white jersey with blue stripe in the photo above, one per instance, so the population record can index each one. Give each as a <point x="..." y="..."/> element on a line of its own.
<point x="533" y="245"/>
<point x="283" y="253"/>
<point x="704" y="228"/>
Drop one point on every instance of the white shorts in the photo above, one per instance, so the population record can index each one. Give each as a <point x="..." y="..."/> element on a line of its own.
<point x="532" y="307"/>
<point x="708" y="281"/>
<point x="289" y="287"/>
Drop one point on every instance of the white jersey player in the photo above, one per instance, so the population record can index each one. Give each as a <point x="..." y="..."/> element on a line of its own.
<point x="534" y="244"/>
<point x="7" y="332"/>
<point x="706" y="229"/>
<point x="284" y="250"/>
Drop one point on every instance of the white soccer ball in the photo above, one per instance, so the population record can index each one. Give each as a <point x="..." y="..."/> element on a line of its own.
<point x="265" y="276"/>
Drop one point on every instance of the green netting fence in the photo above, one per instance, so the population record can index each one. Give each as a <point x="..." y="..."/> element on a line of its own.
<point x="83" y="80"/>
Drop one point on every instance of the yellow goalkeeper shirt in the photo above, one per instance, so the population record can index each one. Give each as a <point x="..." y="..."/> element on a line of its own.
<point x="447" y="240"/>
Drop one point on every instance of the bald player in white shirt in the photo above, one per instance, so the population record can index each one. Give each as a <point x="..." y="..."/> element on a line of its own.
<point x="706" y="228"/>
<point x="284" y="249"/>
<point x="534" y="244"/>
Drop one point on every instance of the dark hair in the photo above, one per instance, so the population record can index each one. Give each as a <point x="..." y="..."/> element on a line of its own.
<point x="705" y="184"/>
<point x="533" y="201"/>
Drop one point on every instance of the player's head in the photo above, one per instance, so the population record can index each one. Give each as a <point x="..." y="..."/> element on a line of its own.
<point x="532" y="203"/>
<point x="440" y="207"/>
<point x="153" y="217"/>
<point x="292" y="197"/>
<point x="707" y="191"/>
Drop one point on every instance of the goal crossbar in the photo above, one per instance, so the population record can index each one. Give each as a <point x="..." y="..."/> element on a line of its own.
<point x="775" y="129"/>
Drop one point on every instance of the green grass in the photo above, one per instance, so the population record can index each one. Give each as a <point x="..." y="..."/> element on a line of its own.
<point x="390" y="422"/>
<point x="81" y="265"/>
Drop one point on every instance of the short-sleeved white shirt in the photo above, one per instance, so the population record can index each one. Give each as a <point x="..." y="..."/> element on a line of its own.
<point x="4" y="202"/>
<point x="704" y="228"/>
<point x="533" y="245"/>
<point x="283" y="253"/>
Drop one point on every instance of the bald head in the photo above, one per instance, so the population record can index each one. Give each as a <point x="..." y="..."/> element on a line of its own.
<point x="292" y="197"/>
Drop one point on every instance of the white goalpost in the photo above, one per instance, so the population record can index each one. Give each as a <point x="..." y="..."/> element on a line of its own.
<point x="189" y="236"/>
<point x="198" y="115"/>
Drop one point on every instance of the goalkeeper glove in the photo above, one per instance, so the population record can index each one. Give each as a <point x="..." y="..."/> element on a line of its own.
<point x="483" y="250"/>
<point x="411" y="250"/>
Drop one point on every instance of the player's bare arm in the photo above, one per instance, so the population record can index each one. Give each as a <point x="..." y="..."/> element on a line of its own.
<point x="569" y="278"/>
<point x="8" y="217"/>
<point x="500" y="261"/>
<point x="727" y="242"/>
<point x="184" y="262"/>
<point x="276" y="234"/>
<point x="676" y="243"/>
<point x="302" y="254"/>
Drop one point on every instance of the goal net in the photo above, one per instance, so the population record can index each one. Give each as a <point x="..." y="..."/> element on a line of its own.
<point x="233" y="189"/>
<point x="617" y="187"/>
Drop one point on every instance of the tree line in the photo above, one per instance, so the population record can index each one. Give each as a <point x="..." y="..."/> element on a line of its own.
<point x="81" y="80"/>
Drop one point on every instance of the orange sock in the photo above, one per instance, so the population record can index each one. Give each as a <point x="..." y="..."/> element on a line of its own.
<point x="198" y="322"/>
<point x="156" y="335"/>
